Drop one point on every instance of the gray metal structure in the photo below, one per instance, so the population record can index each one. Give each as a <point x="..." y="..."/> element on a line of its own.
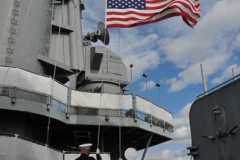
<point x="214" y="122"/>
<point x="39" y="35"/>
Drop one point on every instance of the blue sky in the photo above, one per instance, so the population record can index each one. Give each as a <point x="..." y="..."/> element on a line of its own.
<point x="170" y="53"/>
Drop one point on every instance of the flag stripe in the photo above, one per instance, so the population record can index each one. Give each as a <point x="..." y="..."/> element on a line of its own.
<point x="156" y="10"/>
<point x="138" y="16"/>
<point x="113" y="12"/>
<point x="139" y="24"/>
<point x="171" y="2"/>
<point x="158" y="17"/>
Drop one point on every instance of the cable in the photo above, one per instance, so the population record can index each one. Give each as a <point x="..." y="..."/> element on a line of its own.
<point x="120" y="128"/>
<point x="99" y="125"/>
<point x="54" y="72"/>
<point x="100" y="104"/>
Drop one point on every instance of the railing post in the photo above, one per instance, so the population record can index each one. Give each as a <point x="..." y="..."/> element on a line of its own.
<point x="151" y="117"/>
<point x="69" y="96"/>
<point x="134" y="106"/>
<point x="49" y="100"/>
<point x="64" y="154"/>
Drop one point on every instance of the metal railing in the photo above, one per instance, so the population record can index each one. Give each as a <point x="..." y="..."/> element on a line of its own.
<point x="218" y="86"/>
<point x="17" y="93"/>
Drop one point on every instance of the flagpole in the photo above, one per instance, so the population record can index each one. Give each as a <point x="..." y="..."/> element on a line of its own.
<point x="105" y="9"/>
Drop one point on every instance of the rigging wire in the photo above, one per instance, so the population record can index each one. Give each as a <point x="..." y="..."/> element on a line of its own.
<point x="99" y="125"/>
<point x="120" y="129"/>
<point x="100" y="101"/>
<point x="55" y="63"/>
<point x="54" y="71"/>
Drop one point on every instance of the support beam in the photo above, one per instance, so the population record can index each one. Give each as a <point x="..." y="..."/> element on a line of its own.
<point x="145" y="151"/>
<point x="139" y="138"/>
<point x="126" y="132"/>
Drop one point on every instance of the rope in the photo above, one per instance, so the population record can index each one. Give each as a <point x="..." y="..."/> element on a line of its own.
<point x="120" y="129"/>
<point x="100" y="104"/>
<point x="99" y="125"/>
<point x="54" y="72"/>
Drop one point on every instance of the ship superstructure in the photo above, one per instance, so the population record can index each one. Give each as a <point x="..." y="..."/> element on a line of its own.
<point x="42" y="48"/>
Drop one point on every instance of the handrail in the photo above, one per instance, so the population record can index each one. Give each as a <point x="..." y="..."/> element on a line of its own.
<point x="218" y="86"/>
<point x="58" y="104"/>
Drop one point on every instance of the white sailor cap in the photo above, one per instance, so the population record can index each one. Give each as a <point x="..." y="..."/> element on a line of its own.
<point x="85" y="146"/>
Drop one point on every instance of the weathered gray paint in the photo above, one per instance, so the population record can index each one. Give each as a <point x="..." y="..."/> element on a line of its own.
<point x="204" y="122"/>
<point x="112" y="73"/>
<point x="33" y="31"/>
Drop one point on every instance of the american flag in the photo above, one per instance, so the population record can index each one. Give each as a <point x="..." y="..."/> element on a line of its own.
<point x="131" y="13"/>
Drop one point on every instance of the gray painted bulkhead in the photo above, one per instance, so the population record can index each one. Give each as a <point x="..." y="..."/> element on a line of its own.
<point x="212" y="117"/>
<point x="26" y="30"/>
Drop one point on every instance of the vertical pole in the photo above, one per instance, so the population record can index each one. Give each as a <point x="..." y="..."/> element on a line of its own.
<point x="131" y="82"/>
<point x="159" y="97"/>
<point x="134" y="107"/>
<point x="233" y="73"/>
<point x="145" y="151"/>
<point x="146" y="89"/>
<point x="203" y="80"/>
<point x="63" y="155"/>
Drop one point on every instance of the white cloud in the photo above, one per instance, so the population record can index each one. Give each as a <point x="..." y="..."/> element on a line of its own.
<point x="150" y="85"/>
<point x="192" y="74"/>
<point x="211" y="43"/>
<point x="169" y="155"/>
<point x="141" y="54"/>
<point x="180" y="121"/>
<point x="181" y="126"/>
<point x="182" y="133"/>
<point x="226" y="74"/>
<point x="184" y="111"/>
<point x="165" y="155"/>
